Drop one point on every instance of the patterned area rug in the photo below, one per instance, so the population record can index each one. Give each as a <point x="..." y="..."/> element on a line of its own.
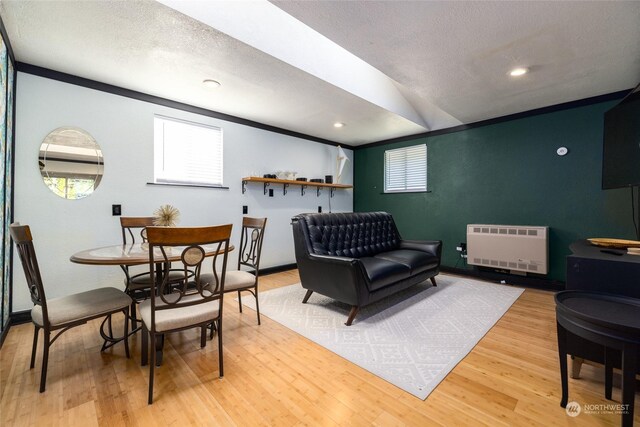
<point x="412" y="339"/>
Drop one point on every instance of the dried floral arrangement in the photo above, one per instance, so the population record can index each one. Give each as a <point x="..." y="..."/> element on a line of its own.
<point x="166" y="216"/>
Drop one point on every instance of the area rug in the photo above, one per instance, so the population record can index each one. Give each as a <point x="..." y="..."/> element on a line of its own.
<point x="412" y="339"/>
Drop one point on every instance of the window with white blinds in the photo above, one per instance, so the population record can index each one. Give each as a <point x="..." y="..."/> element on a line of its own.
<point x="186" y="152"/>
<point x="405" y="169"/>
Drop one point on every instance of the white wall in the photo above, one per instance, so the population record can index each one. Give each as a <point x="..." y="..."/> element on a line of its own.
<point x="124" y="129"/>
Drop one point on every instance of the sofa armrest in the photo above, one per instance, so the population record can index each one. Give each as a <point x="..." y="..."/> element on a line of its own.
<point x="340" y="278"/>
<point x="433" y="247"/>
<point x="335" y="260"/>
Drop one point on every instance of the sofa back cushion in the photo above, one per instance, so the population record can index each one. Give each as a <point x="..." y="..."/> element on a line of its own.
<point x="351" y="234"/>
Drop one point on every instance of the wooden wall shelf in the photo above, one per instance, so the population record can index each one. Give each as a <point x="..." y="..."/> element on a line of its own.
<point x="287" y="182"/>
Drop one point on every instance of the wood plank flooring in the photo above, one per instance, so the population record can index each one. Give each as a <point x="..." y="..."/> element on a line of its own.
<point x="274" y="376"/>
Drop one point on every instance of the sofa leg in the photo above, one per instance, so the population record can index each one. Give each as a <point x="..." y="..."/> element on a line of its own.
<point x="307" y="295"/>
<point x="433" y="281"/>
<point x="352" y="314"/>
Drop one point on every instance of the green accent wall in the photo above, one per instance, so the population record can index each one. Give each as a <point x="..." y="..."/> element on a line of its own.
<point x="506" y="173"/>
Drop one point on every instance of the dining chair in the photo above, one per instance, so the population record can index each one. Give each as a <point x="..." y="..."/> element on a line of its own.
<point x="138" y="285"/>
<point x="194" y="302"/>
<point x="63" y="313"/>
<point x="251" y="238"/>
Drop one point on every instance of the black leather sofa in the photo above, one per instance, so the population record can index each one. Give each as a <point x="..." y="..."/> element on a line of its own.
<point x="359" y="258"/>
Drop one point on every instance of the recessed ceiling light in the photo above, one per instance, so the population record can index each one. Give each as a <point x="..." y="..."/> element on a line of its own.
<point x="338" y="125"/>
<point x="211" y="83"/>
<point x="517" y="72"/>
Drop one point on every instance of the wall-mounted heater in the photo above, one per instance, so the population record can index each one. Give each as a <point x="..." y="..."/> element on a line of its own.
<point x="520" y="249"/>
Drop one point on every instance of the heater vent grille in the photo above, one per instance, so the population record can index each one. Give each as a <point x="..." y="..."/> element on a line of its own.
<point x="511" y="230"/>
<point x="512" y="247"/>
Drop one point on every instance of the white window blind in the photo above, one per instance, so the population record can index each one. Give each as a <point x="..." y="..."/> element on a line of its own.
<point x="405" y="169"/>
<point x="186" y="152"/>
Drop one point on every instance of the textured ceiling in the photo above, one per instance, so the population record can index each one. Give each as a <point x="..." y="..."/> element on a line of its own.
<point x="448" y="60"/>
<point x="457" y="54"/>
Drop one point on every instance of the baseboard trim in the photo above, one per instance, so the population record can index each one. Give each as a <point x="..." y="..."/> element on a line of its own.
<point x="491" y="276"/>
<point x="20" y="317"/>
<point x="278" y="269"/>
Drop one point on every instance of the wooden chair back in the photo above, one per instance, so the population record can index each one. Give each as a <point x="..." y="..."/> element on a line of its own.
<point x="189" y="243"/>
<point x="251" y="238"/>
<point x="21" y="235"/>
<point x="131" y="223"/>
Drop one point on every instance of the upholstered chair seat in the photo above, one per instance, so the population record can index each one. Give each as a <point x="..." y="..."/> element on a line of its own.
<point x="235" y="280"/>
<point x="239" y="280"/>
<point x="84" y="305"/>
<point x="181" y="317"/>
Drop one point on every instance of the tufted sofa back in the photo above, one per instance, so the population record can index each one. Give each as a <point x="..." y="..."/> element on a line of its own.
<point x="350" y="234"/>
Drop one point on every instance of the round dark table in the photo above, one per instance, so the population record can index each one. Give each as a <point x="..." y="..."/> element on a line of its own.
<point x="609" y="320"/>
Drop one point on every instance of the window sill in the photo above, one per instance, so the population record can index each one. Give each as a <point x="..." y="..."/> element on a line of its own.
<point x="406" y="192"/>
<point x="171" y="184"/>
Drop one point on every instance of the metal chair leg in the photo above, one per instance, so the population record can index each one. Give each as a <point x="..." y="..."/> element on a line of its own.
<point x="257" y="305"/>
<point x="220" y="362"/>
<point x="45" y="360"/>
<point x="134" y="320"/>
<point x="203" y="336"/>
<point x="125" y="337"/>
<point x="159" y="349"/>
<point x="144" y="351"/>
<point x="152" y="366"/>
<point x="240" y="301"/>
<point x="36" y="331"/>
<point x="110" y="326"/>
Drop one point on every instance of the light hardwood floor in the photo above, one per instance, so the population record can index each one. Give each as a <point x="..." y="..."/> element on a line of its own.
<point x="274" y="376"/>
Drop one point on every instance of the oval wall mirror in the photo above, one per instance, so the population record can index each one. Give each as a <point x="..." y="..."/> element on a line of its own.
<point x="71" y="163"/>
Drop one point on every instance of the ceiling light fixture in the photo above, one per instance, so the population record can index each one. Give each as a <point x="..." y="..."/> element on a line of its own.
<point x="338" y="125"/>
<point x="517" y="72"/>
<point x="211" y="83"/>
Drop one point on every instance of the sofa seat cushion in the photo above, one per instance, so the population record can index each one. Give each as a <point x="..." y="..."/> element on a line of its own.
<point x="417" y="261"/>
<point x="382" y="272"/>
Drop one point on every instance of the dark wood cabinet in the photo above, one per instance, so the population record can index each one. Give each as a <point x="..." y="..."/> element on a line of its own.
<point x="591" y="269"/>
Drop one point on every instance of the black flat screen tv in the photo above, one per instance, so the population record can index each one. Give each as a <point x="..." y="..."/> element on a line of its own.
<point x="621" y="152"/>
